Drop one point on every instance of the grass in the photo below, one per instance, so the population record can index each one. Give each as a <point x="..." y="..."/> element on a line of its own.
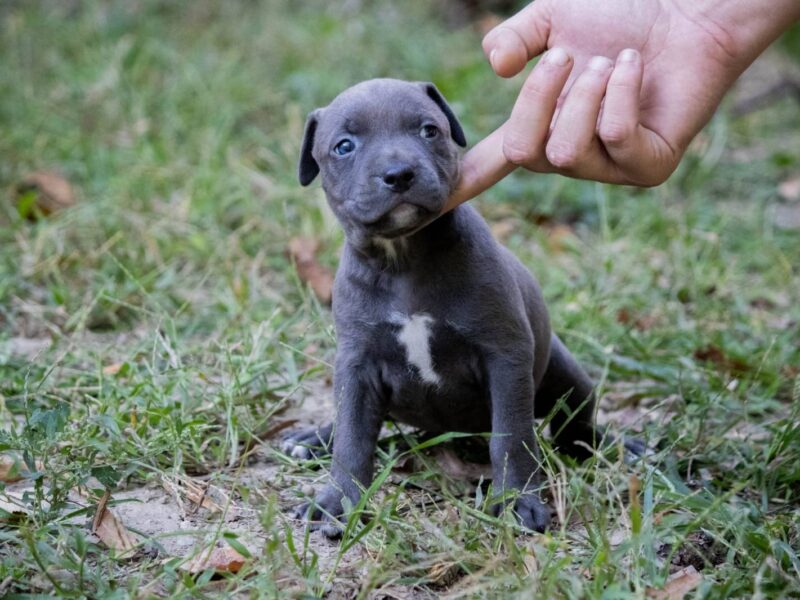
<point x="175" y="332"/>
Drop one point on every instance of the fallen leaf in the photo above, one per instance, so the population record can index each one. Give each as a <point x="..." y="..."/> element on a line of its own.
<point x="678" y="585"/>
<point x="487" y="22"/>
<point x="220" y="560"/>
<point x="278" y="426"/>
<point x="13" y="469"/>
<point x="303" y="253"/>
<point x="715" y="355"/>
<point x="456" y="468"/>
<point x="640" y="322"/>
<point x="10" y="469"/>
<point x="195" y="492"/>
<point x="198" y="494"/>
<point x="503" y="229"/>
<point x="43" y="193"/>
<point x="561" y="237"/>
<point x="13" y="510"/>
<point x="790" y="188"/>
<point x="444" y="574"/>
<point x="112" y="369"/>
<point x="110" y="530"/>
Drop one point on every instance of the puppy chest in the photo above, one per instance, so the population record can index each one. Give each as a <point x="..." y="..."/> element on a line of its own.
<point x="425" y="351"/>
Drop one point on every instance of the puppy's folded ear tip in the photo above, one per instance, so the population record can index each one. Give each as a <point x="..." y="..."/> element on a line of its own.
<point x="308" y="168"/>
<point x="456" y="131"/>
<point x="307" y="174"/>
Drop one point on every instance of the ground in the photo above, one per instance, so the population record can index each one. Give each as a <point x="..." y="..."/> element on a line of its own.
<point x="155" y="340"/>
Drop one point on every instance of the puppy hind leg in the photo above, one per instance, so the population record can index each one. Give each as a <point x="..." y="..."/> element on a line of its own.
<point x="309" y="442"/>
<point x="574" y="421"/>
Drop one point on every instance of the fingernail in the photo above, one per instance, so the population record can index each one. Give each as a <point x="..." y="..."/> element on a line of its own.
<point x="628" y="55"/>
<point x="557" y="57"/>
<point x="492" y="55"/>
<point x="600" y="63"/>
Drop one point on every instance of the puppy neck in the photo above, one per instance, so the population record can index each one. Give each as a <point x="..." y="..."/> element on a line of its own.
<point x="403" y="254"/>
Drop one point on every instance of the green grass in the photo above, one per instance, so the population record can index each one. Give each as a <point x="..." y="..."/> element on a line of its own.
<point x="179" y="125"/>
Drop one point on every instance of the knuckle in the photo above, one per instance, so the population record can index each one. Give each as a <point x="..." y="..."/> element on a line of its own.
<point x="615" y="132"/>
<point x="519" y="152"/>
<point x="563" y="154"/>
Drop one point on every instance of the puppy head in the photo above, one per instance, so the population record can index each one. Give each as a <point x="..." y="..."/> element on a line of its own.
<point x="386" y="150"/>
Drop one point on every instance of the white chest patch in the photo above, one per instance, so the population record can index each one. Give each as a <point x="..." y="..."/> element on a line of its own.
<point x="415" y="334"/>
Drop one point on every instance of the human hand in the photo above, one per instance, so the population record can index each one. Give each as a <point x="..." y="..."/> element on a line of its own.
<point x="623" y="88"/>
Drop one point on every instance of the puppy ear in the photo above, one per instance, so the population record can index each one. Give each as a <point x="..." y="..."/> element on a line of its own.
<point x="308" y="167"/>
<point x="456" y="132"/>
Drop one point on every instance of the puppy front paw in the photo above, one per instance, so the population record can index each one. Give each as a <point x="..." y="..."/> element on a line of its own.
<point x="324" y="512"/>
<point x="531" y="512"/>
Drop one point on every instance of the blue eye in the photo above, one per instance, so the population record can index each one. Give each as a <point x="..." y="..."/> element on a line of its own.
<point x="428" y="131"/>
<point x="344" y="147"/>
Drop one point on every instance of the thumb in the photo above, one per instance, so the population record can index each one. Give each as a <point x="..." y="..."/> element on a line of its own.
<point x="482" y="167"/>
<point x="514" y="42"/>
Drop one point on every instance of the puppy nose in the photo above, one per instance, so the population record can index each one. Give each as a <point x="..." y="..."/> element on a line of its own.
<point x="399" y="178"/>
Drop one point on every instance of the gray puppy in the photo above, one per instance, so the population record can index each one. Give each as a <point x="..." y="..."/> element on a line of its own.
<point x="438" y="326"/>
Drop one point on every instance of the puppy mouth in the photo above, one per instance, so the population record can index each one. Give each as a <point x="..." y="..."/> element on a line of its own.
<point x="404" y="219"/>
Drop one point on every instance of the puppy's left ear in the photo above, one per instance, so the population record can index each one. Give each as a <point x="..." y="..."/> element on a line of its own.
<point x="308" y="168"/>
<point x="456" y="132"/>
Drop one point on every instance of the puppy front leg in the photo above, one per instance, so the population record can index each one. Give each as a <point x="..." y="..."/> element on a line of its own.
<point x="359" y="416"/>
<point x="513" y="448"/>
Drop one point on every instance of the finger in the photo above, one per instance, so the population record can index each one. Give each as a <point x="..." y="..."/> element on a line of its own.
<point x="573" y="144"/>
<point x="532" y="114"/>
<point x="514" y="42"/>
<point x="482" y="167"/>
<point x="639" y="152"/>
<point x="619" y="124"/>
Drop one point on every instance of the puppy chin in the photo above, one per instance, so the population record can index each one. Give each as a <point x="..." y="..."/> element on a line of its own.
<point x="404" y="215"/>
<point x="403" y="220"/>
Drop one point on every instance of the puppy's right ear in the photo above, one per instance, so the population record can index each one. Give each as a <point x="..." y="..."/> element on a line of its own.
<point x="308" y="168"/>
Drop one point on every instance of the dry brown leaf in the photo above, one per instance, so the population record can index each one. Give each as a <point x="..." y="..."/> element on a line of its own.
<point x="112" y="369"/>
<point x="487" y="22"/>
<point x="456" y="468"/>
<point x="276" y="427"/>
<point x="678" y="585"/>
<point x="14" y="509"/>
<point x="303" y="253"/>
<point x="51" y="193"/>
<point x="111" y="531"/>
<point x="11" y="469"/>
<point x="641" y="322"/>
<point x="221" y="560"/>
<point x="790" y="188"/>
<point x="561" y="237"/>
<point x="503" y="229"/>
<point x="197" y="493"/>
<point x="715" y="355"/>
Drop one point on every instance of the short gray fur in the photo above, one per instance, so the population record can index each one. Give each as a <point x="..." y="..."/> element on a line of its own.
<point x="495" y="365"/>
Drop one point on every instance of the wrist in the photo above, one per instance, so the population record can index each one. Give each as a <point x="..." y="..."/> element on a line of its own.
<point x="741" y="29"/>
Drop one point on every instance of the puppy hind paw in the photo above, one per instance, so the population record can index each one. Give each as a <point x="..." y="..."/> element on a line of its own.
<point x="308" y="443"/>
<point x="636" y="446"/>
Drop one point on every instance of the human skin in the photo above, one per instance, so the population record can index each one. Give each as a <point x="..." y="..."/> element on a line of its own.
<point x="623" y="87"/>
